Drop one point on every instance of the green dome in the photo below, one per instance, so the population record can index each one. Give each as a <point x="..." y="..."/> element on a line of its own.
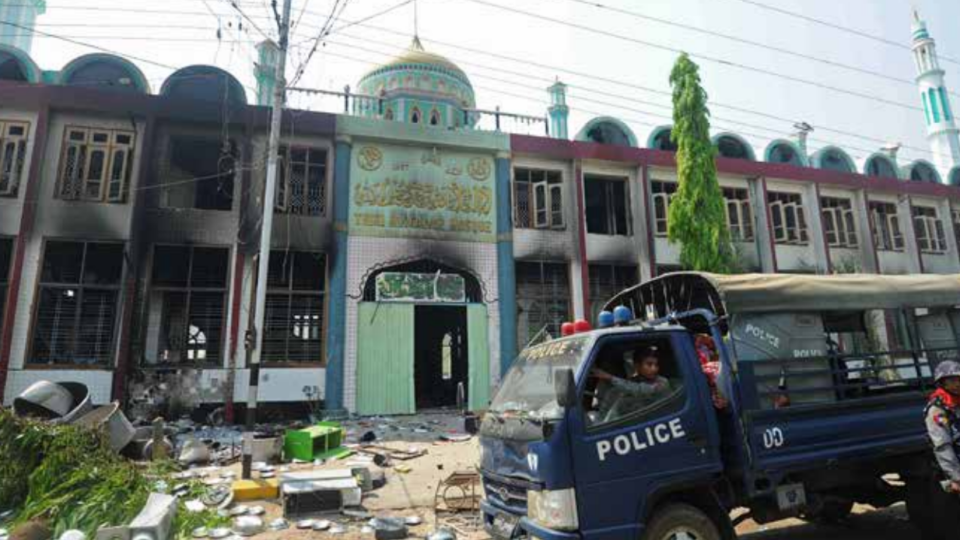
<point x="416" y="56"/>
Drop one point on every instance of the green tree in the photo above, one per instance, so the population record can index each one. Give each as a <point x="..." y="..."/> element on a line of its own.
<point x="696" y="220"/>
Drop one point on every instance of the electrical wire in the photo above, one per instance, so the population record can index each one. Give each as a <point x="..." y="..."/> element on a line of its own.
<point x="331" y="19"/>
<point x="243" y="14"/>
<point x="835" y="26"/>
<point x="701" y="56"/>
<point x="744" y="41"/>
<point x="625" y="84"/>
<point x="597" y="91"/>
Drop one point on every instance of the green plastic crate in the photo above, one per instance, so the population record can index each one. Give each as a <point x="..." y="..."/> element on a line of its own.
<point x="315" y="442"/>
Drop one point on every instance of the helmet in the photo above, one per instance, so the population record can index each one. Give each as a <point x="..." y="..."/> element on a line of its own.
<point x="947" y="369"/>
<point x="622" y="315"/>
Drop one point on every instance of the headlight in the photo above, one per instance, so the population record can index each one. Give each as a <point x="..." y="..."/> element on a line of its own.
<point x="553" y="509"/>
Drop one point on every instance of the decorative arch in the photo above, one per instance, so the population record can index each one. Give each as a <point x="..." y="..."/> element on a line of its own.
<point x="880" y="166"/>
<point x="389" y="114"/>
<point x="733" y="146"/>
<point x="922" y="171"/>
<point x="104" y="71"/>
<point x="831" y="158"/>
<point x="954" y="177"/>
<point x="784" y="151"/>
<point x="660" y="139"/>
<point x="475" y="288"/>
<point x="607" y="130"/>
<point x="434" y="117"/>
<point x="206" y="83"/>
<point x="16" y="65"/>
<point x="416" y="116"/>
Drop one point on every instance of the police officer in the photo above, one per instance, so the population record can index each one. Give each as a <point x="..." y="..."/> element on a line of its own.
<point x="943" y="423"/>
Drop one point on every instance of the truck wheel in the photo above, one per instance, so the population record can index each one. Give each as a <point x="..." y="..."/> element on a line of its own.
<point x="681" y="522"/>
<point x="832" y="512"/>
<point x="934" y="512"/>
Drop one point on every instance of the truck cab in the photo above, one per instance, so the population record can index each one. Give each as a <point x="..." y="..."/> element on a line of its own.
<point x="580" y="442"/>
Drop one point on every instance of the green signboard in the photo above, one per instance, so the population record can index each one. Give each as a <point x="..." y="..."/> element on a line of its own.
<point x="400" y="191"/>
<point x="408" y="287"/>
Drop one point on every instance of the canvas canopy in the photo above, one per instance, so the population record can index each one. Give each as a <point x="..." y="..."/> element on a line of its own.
<point x="770" y="293"/>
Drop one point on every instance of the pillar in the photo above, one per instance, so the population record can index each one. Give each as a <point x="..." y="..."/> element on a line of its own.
<point x="506" y="268"/>
<point x="337" y="307"/>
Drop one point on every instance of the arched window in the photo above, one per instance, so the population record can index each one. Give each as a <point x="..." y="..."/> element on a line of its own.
<point x="15" y="65"/>
<point x="104" y="71"/>
<point x="880" y="167"/>
<point x="661" y="140"/>
<point x="434" y="117"/>
<point x="389" y="114"/>
<point x="415" y="116"/>
<point x="607" y="130"/>
<point x="833" y="159"/>
<point x="784" y="152"/>
<point x="206" y="83"/>
<point x="954" y="177"/>
<point x="731" y="147"/>
<point x="924" y="172"/>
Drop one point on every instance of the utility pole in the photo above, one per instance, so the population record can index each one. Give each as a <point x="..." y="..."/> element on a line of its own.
<point x="266" y="230"/>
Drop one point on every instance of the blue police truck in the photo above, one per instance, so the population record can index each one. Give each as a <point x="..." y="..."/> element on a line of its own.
<point x="786" y="395"/>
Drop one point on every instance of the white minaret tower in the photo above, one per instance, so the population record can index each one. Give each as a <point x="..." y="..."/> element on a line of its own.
<point x="941" y="126"/>
<point x="23" y="14"/>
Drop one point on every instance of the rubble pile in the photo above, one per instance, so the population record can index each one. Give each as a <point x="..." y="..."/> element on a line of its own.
<point x="72" y="471"/>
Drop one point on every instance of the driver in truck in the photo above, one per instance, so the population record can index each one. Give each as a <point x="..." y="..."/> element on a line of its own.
<point x="643" y="387"/>
<point x="943" y="423"/>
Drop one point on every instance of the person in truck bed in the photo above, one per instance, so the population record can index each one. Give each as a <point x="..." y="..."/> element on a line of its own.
<point x="644" y="387"/>
<point x="943" y="423"/>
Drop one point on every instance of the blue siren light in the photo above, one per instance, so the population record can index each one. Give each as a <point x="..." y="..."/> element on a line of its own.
<point x="605" y="319"/>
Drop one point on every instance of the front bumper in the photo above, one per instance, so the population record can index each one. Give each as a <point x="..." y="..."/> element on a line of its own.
<point x="525" y="528"/>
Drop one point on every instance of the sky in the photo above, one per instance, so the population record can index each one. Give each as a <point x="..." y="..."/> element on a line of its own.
<point x="616" y="63"/>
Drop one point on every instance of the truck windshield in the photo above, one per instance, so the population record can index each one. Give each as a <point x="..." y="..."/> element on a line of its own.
<point x="528" y="389"/>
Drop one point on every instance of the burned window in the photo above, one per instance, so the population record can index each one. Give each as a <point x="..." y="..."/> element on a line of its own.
<point x="187" y="305"/>
<point x="886" y="226"/>
<point x="537" y="199"/>
<point x="929" y="227"/>
<point x="788" y="219"/>
<point x="739" y="214"/>
<point x="13" y="154"/>
<point x="200" y="174"/>
<point x="95" y="165"/>
<point x="302" y="181"/>
<point x="293" y="329"/>
<point x="6" y="256"/>
<point x="839" y="222"/>
<point x="543" y="300"/>
<point x="76" y="306"/>
<point x="607" y="206"/>
<point x="606" y="281"/>
<point x="662" y="193"/>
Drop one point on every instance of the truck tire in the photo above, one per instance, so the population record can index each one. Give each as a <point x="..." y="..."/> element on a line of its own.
<point x="933" y="511"/>
<point x="681" y="522"/>
<point x="832" y="512"/>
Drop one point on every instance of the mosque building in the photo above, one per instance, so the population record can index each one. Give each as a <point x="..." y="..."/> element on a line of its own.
<point x="413" y="253"/>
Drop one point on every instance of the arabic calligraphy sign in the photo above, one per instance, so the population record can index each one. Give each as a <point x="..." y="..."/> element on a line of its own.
<point x="422" y="192"/>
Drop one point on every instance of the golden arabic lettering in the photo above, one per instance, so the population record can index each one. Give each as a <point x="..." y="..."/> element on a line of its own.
<point x="370" y="158"/>
<point x="479" y="169"/>
<point x="412" y="194"/>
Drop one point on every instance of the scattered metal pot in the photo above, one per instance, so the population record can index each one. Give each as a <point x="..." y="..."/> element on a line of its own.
<point x="110" y="417"/>
<point x="248" y="525"/>
<point x="43" y="399"/>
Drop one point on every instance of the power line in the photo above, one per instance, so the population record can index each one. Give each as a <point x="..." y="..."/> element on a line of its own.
<point x="237" y="7"/>
<point x="135" y="38"/>
<point x="597" y="77"/>
<point x="835" y="26"/>
<point x="745" y="41"/>
<point x="701" y="56"/>
<point x="316" y="43"/>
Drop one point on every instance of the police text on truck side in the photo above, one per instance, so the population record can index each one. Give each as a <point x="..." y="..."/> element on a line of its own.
<point x="638" y="441"/>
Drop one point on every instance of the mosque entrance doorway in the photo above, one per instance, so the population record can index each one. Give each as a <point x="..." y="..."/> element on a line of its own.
<point x="440" y="356"/>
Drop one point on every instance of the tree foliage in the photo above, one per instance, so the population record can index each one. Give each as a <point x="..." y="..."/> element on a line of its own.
<point x="697" y="220"/>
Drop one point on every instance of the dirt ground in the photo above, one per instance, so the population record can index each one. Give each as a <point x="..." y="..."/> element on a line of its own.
<point x="412" y="493"/>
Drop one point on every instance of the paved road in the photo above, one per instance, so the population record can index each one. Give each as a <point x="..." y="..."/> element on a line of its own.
<point x="867" y="524"/>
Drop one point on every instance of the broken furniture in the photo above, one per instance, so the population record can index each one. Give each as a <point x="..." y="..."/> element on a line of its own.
<point x="320" y="441"/>
<point x="154" y="522"/>
<point x="316" y="492"/>
<point x="460" y="492"/>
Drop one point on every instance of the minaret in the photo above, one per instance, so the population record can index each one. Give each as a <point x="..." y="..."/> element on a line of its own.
<point x="558" y="111"/>
<point x="265" y="71"/>
<point x="941" y="126"/>
<point x="24" y="14"/>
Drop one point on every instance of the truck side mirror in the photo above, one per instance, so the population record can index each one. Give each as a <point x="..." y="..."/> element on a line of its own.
<point x="565" y="387"/>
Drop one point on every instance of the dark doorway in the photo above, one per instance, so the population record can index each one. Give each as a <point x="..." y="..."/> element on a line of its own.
<point x="440" y="355"/>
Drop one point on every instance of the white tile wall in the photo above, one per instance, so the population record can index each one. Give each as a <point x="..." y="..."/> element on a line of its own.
<point x="367" y="253"/>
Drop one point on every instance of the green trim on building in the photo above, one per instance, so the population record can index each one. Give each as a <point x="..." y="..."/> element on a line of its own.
<point x="385" y="359"/>
<point x="478" y="356"/>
